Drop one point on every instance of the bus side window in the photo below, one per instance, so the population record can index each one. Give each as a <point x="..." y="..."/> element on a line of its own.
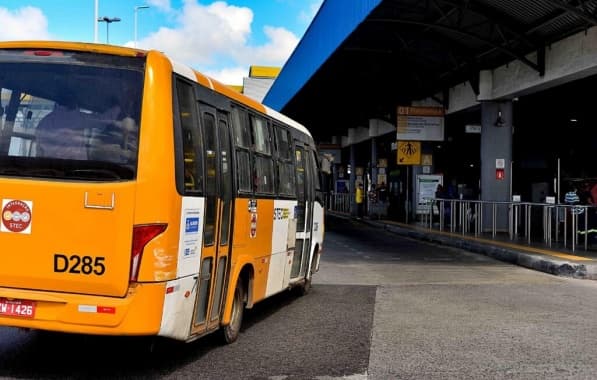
<point x="315" y="175"/>
<point x="264" y="166"/>
<point x="284" y="164"/>
<point x="211" y="176"/>
<point x="191" y="140"/>
<point x="242" y="145"/>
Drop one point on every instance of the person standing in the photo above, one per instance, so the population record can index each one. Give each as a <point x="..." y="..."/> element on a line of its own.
<point x="382" y="192"/>
<point x="359" y="195"/>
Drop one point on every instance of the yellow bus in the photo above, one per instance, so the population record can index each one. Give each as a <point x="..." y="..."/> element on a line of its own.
<point x="140" y="197"/>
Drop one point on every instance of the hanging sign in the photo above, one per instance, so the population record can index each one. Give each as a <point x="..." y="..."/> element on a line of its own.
<point x="409" y="153"/>
<point x="420" y="123"/>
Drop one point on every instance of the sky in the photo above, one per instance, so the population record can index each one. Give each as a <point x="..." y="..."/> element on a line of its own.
<point x="219" y="38"/>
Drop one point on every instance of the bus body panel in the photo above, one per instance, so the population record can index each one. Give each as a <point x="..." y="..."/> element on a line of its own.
<point x="253" y="224"/>
<point x="78" y="239"/>
<point x="179" y="303"/>
<point x="158" y="203"/>
<point x="190" y="240"/>
<point x="155" y="172"/>
<point x="281" y="260"/>
<point x="139" y="313"/>
<point x="180" y="295"/>
<point x="75" y="46"/>
<point x="318" y="234"/>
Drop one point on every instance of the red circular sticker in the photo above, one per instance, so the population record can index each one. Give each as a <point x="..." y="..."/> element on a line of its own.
<point x="16" y="216"/>
<point x="253" y="231"/>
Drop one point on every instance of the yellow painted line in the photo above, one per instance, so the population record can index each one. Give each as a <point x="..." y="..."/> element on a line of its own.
<point x="498" y="243"/>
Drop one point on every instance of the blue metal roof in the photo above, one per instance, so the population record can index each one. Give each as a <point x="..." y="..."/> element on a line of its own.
<point x="334" y="22"/>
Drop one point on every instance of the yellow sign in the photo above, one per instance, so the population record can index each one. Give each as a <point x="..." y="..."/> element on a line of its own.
<point x="409" y="153"/>
<point x="427" y="159"/>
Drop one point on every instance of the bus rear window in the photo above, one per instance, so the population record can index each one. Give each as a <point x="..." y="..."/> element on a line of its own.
<point x="69" y="115"/>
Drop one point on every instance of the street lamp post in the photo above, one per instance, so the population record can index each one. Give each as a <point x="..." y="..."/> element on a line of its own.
<point x="95" y="19"/>
<point x="137" y="7"/>
<point x="108" y="21"/>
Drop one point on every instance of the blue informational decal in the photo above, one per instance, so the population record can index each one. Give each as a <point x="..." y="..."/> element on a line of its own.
<point x="189" y="251"/>
<point x="191" y="225"/>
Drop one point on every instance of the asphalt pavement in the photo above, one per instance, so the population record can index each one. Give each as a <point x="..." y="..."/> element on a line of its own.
<point x="553" y="259"/>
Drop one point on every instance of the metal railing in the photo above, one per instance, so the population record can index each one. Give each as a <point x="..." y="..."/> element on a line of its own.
<point x="339" y="202"/>
<point x="553" y="225"/>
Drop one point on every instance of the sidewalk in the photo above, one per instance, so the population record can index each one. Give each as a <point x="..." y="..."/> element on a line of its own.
<point x="553" y="260"/>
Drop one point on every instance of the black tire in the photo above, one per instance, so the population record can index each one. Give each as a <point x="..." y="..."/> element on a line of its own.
<point x="304" y="288"/>
<point x="232" y="330"/>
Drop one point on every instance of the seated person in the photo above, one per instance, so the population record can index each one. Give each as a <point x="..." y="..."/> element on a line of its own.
<point x="114" y="137"/>
<point x="60" y="134"/>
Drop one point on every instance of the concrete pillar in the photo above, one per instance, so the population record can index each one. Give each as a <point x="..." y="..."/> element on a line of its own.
<point x="496" y="149"/>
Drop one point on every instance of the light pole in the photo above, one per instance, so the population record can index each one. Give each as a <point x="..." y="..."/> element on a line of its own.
<point x="95" y="19"/>
<point x="137" y="7"/>
<point x="108" y="21"/>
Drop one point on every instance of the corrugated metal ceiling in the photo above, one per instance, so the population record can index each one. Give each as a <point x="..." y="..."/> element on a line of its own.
<point x="404" y="50"/>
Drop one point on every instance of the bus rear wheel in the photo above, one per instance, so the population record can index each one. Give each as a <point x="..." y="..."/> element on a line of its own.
<point x="232" y="330"/>
<point x="304" y="288"/>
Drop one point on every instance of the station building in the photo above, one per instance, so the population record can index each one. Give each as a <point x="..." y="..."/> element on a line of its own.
<point x="513" y="80"/>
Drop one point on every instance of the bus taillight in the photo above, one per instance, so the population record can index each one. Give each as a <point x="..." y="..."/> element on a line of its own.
<point x="141" y="236"/>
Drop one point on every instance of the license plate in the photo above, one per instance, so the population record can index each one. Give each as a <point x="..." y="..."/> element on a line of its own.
<point x="17" y="308"/>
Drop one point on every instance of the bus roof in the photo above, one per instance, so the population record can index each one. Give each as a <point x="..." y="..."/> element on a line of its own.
<point x="225" y="90"/>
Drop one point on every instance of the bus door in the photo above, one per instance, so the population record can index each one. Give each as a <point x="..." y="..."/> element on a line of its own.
<point x="303" y="211"/>
<point x="218" y="210"/>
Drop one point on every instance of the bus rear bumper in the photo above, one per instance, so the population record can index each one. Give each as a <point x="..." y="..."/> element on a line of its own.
<point x="138" y="313"/>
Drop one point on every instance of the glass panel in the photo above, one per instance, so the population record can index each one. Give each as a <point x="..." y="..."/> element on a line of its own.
<point x="243" y="166"/>
<point x="261" y="135"/>
<point x="204" y="290"/>
<point x="283" y="147"/>
<point x="240" y="129"/>
<point x="226" y="180"/>
<point x="211" y="163"/>
<point x="215" y="311"/>
<point x="315" y="171"/>
<point x="264" y="175"/>
<point x="300" y="189"/>
<point x="75" y="118"/>
<point x="286" y="179"/>
<point x="193" y="176"/>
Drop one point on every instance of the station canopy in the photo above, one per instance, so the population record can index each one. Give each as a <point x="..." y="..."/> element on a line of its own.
<point x="360" y="59"/>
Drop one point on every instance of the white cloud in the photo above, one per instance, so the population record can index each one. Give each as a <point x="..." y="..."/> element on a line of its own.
<point x="208" y="37"/>
<point x="281" y="43"/>
<point x="161" y="4"/>
<point x="212" y="38"/>
<point x="307" y="16"/>
<point x="231" y="75"/>
<point x="203" y="33"/>
<point x="27" y="23"/>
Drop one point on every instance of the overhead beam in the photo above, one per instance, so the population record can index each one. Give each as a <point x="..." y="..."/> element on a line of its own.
<point x="574" y="10"/>
<point x="505" y="50"/>
<point x="494" y="17"/>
